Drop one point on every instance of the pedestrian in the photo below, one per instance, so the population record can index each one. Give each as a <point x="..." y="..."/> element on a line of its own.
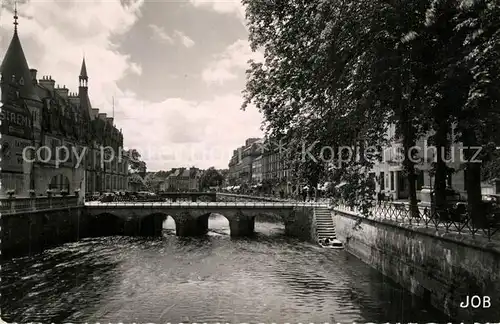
<point x="304" y="194"/>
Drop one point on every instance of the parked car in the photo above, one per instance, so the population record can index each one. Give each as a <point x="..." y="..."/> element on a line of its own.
<point x="107" y="197"/>
<point x="456" y="206"/>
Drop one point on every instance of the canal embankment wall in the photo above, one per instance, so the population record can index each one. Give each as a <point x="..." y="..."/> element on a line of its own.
<point x="27" y="233"/>
<point x="444" y="269"/>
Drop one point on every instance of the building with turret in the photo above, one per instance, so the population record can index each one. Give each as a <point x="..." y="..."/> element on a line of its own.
<point x="52" y="138"/>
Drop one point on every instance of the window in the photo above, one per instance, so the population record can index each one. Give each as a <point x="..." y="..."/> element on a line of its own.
<point x="392" y="180"/>
<point x="382" y="181"/>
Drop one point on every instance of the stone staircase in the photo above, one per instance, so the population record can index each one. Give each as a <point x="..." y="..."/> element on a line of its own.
<point x="325" y="228"/>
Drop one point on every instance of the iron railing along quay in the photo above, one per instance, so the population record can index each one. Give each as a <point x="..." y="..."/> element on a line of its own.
<point x="447" y="221"/>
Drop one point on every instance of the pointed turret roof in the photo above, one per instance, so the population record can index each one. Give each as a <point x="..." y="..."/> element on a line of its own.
<point x="14" y="64"/>
<point x="83" y="70"/>
<point x="83" y="94"/>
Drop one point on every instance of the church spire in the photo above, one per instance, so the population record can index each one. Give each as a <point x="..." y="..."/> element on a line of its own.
<point x="15" y="17"/>
<point x="83" y="74"/>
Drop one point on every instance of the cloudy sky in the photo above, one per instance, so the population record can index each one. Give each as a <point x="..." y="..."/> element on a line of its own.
<point x="175" y="68"/>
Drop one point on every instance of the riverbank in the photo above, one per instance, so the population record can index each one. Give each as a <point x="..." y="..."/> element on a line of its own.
<point x="444" y="269"/>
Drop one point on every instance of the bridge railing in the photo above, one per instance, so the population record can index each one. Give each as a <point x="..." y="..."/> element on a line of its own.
<point x="270" y="198"/>
<point x="15" y="205"/>
<point x="255" y="204"/>
<point x="450" y="220"/>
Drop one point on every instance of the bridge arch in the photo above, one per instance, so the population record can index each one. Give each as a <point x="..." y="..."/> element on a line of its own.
<point x="169" y="223"/>
<point x="106" y="224"/>
<point x="152" y="224"/>
<point x="216" y="222"/>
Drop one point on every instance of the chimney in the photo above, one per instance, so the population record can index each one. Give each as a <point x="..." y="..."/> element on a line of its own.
<point x="47" y="82"/>
<point x="33" y="75"/>
<point x="102" y="116"/>
<point x="110" y="120"/>
<point x="63" y="92"/>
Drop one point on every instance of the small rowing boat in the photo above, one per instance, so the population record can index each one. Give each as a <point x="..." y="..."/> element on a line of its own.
<point x="331" y="244"/>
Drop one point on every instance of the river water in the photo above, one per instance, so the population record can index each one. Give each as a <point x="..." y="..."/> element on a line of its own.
<point x="268" y="278"/>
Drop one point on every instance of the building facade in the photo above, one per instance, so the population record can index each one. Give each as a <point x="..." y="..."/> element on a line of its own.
<point x="241" y="163"/>
<point x="389" y="173"/>
<point x="257" y="170"/>
<point x="182" y="179"/>
<point x="275" y="170"/>
<point x="52" y="139"/>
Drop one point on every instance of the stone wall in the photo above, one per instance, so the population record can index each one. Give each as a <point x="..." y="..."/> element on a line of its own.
<point x="32" y="232"/>
<point x="301" y="224"/>
<point x="443" y="269"/>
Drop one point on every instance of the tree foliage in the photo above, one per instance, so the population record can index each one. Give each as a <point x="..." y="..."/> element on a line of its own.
<point x="211" y="178"/>
<point x="338" y="72"/>
<point x="136" y="165"/>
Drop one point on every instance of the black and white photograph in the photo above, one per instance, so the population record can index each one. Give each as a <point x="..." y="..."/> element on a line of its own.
<point x="249" y="161"/>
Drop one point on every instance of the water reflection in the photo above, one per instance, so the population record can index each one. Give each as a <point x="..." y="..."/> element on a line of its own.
<point x="269" y="277"/>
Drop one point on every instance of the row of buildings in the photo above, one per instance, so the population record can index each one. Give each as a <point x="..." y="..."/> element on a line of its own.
<point x="255" y="165"/>
<point x="40" y="119"/>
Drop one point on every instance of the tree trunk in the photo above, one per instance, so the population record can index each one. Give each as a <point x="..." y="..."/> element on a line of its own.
<point x="408" y="133"/>
<point x="474" y="199"/>
<point x="441" y="169"/>
<point x="408" y="163"/>
<point x="473" y="183"/>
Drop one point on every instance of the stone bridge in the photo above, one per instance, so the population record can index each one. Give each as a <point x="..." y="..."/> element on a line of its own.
<point x="191" y="219"/>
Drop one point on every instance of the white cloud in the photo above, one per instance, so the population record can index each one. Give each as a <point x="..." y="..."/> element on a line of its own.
<point x="54" y="39"/>
<point x="231" y="7"/>
<point x="230" y="64"/>
<point x="186" y="41"/>
<point x="224" y="7"/>
<point x="199" y="133"/>
<point x="160" y="34"/>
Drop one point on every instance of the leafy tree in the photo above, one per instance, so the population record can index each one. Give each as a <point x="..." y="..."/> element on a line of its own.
<point x="152" y="181"/>
<point x="312" y="86"/>
<point x="135" y="163"/>
<point x="211" y="178"/>
<point x="339" y="72"/>
<point x="464" y="40"/>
